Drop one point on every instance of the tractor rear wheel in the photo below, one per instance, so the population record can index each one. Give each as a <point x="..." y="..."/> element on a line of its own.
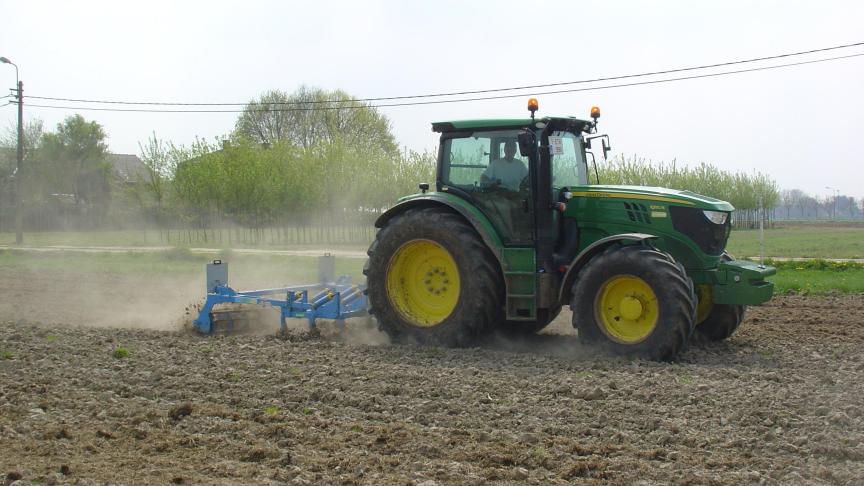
<point x="637" y="301"/>
<point x="716" y="322"/>
<point x="432" y="280"/>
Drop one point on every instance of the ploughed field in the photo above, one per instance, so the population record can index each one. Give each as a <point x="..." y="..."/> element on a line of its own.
<point x="779" y="403"/>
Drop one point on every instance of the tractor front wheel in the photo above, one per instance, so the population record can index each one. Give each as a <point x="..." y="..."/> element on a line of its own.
<point x="637" y="301"/>
<point x="716" y="322"/>
<point x="432" y="280"/>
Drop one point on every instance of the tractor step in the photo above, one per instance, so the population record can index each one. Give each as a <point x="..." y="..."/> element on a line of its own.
<point x="520" y="279"/>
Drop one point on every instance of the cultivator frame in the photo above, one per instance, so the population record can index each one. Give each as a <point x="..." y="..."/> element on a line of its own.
<point x="333" y="298"/>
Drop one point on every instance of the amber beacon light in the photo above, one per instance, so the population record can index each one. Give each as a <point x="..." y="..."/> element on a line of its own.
<point x="595" y="112"/>
<point x="533" y="105"/>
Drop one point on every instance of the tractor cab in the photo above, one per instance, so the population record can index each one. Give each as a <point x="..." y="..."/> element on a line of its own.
<point x="518" y="173"/>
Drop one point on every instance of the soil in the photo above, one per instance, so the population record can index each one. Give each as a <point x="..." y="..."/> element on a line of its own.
<point x="145" y="402"/>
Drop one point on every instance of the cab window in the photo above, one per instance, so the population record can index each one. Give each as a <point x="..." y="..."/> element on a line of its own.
<point x="568" y="163"/>
<point x="488" y="167"/>
<point x="482" y="159"/>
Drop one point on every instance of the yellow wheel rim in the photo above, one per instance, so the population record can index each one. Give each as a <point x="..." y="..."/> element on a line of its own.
<point x="626" y="309"/>
<point x="706" y="302"/>
<point x="423" y="283"/>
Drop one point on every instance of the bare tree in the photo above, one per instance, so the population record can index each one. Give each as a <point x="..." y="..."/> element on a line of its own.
<point x="160" y="159"/>
<point x="33" y="130"/>
<point x="312" y="117"/>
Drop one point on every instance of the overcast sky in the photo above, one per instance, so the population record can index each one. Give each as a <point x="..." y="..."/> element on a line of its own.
<point x="802" y="125"/>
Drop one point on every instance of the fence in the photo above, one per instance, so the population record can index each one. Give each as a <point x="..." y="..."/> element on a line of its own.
<point x="270" y="236"/>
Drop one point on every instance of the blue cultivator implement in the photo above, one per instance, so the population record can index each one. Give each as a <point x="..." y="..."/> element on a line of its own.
<point x="227" y="310"/>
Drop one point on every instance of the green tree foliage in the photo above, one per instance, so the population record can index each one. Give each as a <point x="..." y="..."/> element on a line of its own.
<point x="743" y="190"/>
<point x="65" y="173"/>
<point x="9" y="164"/>
<point x="313" y="118"/>
<point x="72" y="160"/>
<point x="151" y="190"/>
<point x="748" y="192"/>
<point x="289" y="164"/>
<point x="245" y="183"/>
<point x="9" y="145"/>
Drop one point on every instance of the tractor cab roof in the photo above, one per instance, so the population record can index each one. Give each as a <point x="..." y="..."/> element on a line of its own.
<point x="503" y="123"/>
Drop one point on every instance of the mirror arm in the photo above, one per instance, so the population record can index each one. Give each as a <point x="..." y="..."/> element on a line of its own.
<point x="594" y="162"/>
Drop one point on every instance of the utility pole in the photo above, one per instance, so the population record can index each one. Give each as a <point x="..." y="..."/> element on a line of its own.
<point x="836" y="202"/>
<point x="19" y="172"/>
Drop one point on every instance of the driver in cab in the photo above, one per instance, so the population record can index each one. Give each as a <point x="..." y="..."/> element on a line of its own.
<point x="506" y="172"/>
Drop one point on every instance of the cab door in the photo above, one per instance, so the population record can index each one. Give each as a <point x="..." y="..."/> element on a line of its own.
<point x="468" y="163"/>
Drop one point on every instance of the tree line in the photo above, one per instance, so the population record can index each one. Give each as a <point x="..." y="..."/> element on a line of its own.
<point x="753" y="194"/>
<point x="795" y="204"/>
<point x="283" y="164"/>
<point x="289" y="164"/>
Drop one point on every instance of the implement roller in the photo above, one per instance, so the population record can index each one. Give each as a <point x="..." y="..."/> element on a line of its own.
<point x="333" y="298"/>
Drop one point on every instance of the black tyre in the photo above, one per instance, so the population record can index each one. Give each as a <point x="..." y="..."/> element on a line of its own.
<point x="716" y="322"/>
<point x="636" y="301"/>
<point x="721" y="323"/>
<point x="432" y="280"/>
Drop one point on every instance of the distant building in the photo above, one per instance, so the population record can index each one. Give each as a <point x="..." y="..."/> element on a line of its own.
<point x="127" y="168"/>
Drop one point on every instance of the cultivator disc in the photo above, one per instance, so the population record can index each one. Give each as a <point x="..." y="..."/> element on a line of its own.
<point x="236" y="319"/>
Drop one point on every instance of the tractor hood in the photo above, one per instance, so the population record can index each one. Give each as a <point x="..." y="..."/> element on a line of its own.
<point x="659" y="194"/>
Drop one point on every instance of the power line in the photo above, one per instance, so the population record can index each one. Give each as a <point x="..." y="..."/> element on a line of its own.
<point x="461" y="93"/>
<point x="461" y="100"/>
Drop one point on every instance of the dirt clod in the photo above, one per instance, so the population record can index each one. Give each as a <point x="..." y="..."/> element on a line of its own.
<point x="180" y="411"/>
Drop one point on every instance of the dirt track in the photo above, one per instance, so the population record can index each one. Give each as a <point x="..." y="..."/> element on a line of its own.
<point x="779" y="403"/>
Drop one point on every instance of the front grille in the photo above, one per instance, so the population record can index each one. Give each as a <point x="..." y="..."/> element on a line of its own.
<point x="710" y="237"/>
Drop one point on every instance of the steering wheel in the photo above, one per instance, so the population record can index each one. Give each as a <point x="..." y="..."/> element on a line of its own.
<point x="488" y="184"/>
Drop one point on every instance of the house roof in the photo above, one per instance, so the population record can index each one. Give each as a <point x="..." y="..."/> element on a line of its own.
<point x="127" y="167"/>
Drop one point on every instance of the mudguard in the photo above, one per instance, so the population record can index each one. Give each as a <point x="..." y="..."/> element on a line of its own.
<point x="475" y="218"/>
<point x="590" y="252"/>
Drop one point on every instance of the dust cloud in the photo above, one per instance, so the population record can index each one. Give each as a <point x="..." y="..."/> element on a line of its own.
<point x="69" y="297"/>
<point x="57" y="289"/>
<point x="66" y="293"/>
<point x="558" y="339"/>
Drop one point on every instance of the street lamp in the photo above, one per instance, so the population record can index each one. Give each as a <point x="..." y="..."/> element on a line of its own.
<point x="5" y="60"/>
<point x="19" y="233"/>
<point x="836" y="199"/>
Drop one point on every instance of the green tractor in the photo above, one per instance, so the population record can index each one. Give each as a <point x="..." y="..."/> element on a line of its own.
<point x="513" y="231"/>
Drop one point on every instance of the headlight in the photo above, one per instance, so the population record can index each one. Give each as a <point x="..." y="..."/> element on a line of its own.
<point x="716" y="217"/>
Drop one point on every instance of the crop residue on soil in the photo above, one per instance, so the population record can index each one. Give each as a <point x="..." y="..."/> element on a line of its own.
<point x="780" y="403"/>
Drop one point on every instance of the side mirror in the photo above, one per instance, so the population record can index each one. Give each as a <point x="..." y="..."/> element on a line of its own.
<point x="607" y="146"/>
<point x="604" y="143"/>
<point x="527" y="144"/>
